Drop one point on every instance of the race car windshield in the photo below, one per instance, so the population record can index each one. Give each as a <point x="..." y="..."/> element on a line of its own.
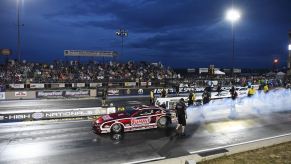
<point x="129" y="112"/>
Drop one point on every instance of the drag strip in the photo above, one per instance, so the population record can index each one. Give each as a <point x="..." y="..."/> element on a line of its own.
<point x="67" y="103"/>
<point x="74" y="142"/>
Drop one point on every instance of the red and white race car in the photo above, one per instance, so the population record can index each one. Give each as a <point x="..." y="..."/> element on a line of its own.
<point x="138" y="118"/>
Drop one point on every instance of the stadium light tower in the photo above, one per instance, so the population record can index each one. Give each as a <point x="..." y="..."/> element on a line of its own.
<point x="18" y="30"/>
<point x="121" y="33"/>
<point x="233" y="16"/>
<point x="275" y="63"/>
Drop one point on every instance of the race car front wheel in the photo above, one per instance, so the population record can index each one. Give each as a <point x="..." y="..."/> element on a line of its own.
<point x="116" y="128"/>
<point x="162" y="122"/>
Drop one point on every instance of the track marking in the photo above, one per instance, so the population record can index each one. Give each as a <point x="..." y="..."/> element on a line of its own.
<point x="238" y="144"/>
<point x="145" y="160"/>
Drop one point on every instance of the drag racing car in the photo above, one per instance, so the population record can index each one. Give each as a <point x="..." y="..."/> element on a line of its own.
<point x="137" y="118"/>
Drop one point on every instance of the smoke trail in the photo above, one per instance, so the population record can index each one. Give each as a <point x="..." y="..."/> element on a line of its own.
<point x="260" y="104"/>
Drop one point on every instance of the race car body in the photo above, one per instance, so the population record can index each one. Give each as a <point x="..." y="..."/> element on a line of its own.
<point x="132" y="119"/>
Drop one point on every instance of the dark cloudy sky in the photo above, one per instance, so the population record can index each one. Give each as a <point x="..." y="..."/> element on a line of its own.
<point x="179" y="33"/>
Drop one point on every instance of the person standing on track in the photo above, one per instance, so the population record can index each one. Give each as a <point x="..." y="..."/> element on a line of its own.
<point x="206" y="96"/>
<point x="182" y="116"/>
<point x="233" y="93"/>
<point x="152" y="97"/>
<point x="104" y="96"/>
<point x="266" y="88"/>
<point x="251" y="91"/>
<point x="177" y="88"/>
<point x="191" y="98"/>
<point x="163" y="93"/>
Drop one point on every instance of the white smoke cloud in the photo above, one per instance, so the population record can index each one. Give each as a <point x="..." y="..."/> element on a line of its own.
<point x="260" y="104"/>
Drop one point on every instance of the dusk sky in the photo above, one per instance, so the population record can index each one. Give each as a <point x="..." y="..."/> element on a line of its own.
<point x="179" y="33"/>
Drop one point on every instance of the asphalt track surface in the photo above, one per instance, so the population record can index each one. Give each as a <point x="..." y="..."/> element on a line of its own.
<point x="74" y="142"/>
<point x="51" y="104"/>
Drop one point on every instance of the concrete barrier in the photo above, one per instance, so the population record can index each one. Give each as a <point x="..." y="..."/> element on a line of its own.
<point x="54" y="114"/>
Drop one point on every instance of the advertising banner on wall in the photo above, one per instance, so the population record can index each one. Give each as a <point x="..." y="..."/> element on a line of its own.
<point x="113" y="92"/>
<point x="77" y="93"/>
<point x="20" y="94"/>
<point x="16" y="86"/>
<point x="143" y="84"/>
<point x="90" y="53"/>
<point x="94" y="85"/>
<point x="2" y="95"/>
<point x="80" y="85"/>
<point x="54" y="85"/>
<point x="129" y="84"/>
<point x="49" y="94"/>
<point x="36" y="85"/>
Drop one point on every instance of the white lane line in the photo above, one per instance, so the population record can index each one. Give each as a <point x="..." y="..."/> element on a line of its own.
<point x="238" y="144"/>
<point x="145" y="160"/>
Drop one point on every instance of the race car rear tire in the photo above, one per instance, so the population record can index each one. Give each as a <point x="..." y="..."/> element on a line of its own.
<point x="162" y="122"/>
<point x="116" y="128"/>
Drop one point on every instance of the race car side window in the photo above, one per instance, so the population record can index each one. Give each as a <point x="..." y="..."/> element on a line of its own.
<point x="145" y="112"/>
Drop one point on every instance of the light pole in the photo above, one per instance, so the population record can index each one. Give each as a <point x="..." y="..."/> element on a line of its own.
<point x="275" y="63"/>
<point x="121" y="33"/>
<point x="18" y="31"/>
<point x="233" y="16"/>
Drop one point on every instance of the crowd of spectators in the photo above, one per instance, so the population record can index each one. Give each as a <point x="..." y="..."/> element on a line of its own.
<point x="74" y="71"/>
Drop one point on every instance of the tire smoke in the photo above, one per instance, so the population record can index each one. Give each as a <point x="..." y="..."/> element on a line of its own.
<point x="277" y="100"/>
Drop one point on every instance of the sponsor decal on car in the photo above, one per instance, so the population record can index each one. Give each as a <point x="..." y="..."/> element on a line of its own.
<point x="106" y="117"/>
<point x="140" y="122"/>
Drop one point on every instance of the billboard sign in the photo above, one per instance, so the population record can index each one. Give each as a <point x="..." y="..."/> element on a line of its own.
<point x="90" y="53"/>
<point x="20" y="94"/>
<point x="36" y="85"/>
<point x="49" y="94"/>
<point x="16" y="86"/>
<point x="77" y="93"/>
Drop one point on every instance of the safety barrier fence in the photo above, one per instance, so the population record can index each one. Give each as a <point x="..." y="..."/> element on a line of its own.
<point x="16" y="116"/>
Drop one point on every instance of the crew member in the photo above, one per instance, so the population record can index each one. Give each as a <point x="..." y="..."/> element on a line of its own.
<point x="251" y="91"/>
<point x="191" y="98"/>
<point x="121" y="109"/>
<point x="163" y="105"/>
<point x="163" y="93"/>
<point x="218" y="90"/>
<point x="152" y="97"/>
<point x="104" y="96"/>
<point x="266" y="88"/>
<point x="181" y="115"/>
<point x="206" y="96"/>
<point x="233" y="93"/>
<point x="177" y="89"/>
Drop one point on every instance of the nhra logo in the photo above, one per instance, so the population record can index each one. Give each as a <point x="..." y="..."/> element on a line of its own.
<point x="37" y="115"/>
<point x="140" y="91"/>
<point x="140" y="121"/>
